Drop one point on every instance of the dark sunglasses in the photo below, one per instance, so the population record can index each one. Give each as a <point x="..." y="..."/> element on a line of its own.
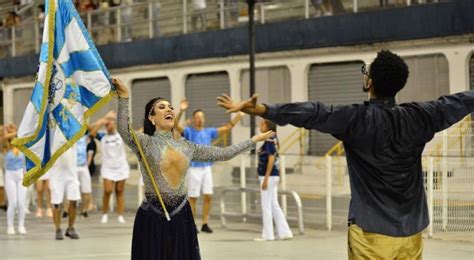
<point x="365" y="69"/>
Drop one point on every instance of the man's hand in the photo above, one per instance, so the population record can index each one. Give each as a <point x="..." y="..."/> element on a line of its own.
<point x="184" y="105"/>
<point x="248" y="106"/>
<point x="226" y="102"/>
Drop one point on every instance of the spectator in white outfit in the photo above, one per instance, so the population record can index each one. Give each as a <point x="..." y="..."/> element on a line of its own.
<point x="269" y="177"/>
<point x="14" y="171"/>
<point x="199" y="13"/>
<point x="2" y="177"/>
<point x="63" y="180"/>
<point x="115" y="169"/>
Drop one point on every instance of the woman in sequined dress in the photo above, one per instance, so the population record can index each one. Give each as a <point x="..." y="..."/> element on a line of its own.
<point x="153" y="236"/>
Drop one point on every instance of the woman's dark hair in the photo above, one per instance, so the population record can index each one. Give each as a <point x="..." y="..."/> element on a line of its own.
<point x="148" y="127"/>
<point x="389" y="74"/>
<point x="270" y="125"/>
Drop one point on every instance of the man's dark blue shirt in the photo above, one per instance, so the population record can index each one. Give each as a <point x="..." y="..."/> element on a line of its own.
<point x="384" y="143"/>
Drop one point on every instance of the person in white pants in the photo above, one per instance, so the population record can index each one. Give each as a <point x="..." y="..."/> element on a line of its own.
<point x="2" y="176"/>
<point x="2" y="186"/>
<point x="14" y="170"/>
<point x="269" y="177"/>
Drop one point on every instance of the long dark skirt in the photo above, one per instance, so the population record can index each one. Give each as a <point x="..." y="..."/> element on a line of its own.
<point x="155" y="238"/>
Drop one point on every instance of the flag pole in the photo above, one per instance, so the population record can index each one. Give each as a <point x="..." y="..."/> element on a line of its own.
<point x="148" y="170"/>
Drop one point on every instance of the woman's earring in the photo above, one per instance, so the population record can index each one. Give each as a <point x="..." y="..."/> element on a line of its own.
<point x="153" y="122"/>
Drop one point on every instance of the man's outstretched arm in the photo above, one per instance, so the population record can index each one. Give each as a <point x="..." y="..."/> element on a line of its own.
<point x="310" y="115"/>
<point x="444" y="112"/>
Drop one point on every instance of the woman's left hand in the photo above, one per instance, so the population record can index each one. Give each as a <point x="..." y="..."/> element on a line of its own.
<point x="122" y="90"/>
<point x="262" y="136"/>
<point x="265" y="183"/>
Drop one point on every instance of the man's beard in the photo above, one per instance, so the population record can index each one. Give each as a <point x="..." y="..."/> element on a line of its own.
<point x="365" y="89"/>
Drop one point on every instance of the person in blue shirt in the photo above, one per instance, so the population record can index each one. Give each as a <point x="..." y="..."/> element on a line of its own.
<point x="384" y="142"/>
<point x="199" y="177"/>
<point x="269" y="177"/>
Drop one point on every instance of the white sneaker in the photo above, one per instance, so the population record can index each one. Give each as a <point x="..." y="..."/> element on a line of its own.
<point x="104" y="219"/>
<point x="287" y="237"/>
<point x="10" y="231"/>
<point x="121" y="220"/>
<point x="22" y="230"/>
<point x="261" y="239"/>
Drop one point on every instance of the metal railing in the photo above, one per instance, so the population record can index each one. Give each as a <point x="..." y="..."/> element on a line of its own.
<point x="150" y="19"/>
<point x="297" y="137"/>
<point x="245" y="215"/>
<point x="247" y="205"/>
<point x="448" y="164"/>
<point x="449" y="186"/>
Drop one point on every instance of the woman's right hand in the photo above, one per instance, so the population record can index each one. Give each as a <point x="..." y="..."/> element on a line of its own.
<point x="122" y="90"/>
<point x="184" y="105"/>
<point x="263" y="136"/>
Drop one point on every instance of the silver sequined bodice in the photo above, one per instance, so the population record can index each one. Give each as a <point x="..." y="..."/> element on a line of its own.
<point x="169" y="159"/>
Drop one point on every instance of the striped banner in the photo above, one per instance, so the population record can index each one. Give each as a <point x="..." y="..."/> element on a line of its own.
<point x="72" y="83"/>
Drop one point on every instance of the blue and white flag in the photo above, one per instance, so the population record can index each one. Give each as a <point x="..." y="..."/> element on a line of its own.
<point x="72" y="82"/>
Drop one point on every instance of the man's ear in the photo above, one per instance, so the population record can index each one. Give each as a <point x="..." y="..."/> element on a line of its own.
<point x="370" y="84"/>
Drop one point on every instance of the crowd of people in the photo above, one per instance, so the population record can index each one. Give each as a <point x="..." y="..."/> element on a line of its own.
<point x="68" y="182"/>
<point x="131" y="22"/>
<point x="69" y="179"/>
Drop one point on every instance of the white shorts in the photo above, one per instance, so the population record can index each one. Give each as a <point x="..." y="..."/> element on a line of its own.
<point x="63" y="180"/>
<point x="45" y="177"/>
<point x="2" y="178"/>
<point x="61" y="187"/>
<point x="118" y="174"/>
<point x="199" y="179"/>
<point x="84" y="179"/>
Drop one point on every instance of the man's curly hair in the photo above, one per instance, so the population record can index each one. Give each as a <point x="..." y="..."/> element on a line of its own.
<point x="389" y="74"/>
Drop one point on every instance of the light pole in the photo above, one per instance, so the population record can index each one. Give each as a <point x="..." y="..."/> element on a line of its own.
<point x="251" y="8"/>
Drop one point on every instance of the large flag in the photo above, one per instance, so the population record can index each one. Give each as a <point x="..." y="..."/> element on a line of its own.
<point x="71" y="84"/>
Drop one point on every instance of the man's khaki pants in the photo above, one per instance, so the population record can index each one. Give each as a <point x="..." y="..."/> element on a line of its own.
<point x="365" y="245"/>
